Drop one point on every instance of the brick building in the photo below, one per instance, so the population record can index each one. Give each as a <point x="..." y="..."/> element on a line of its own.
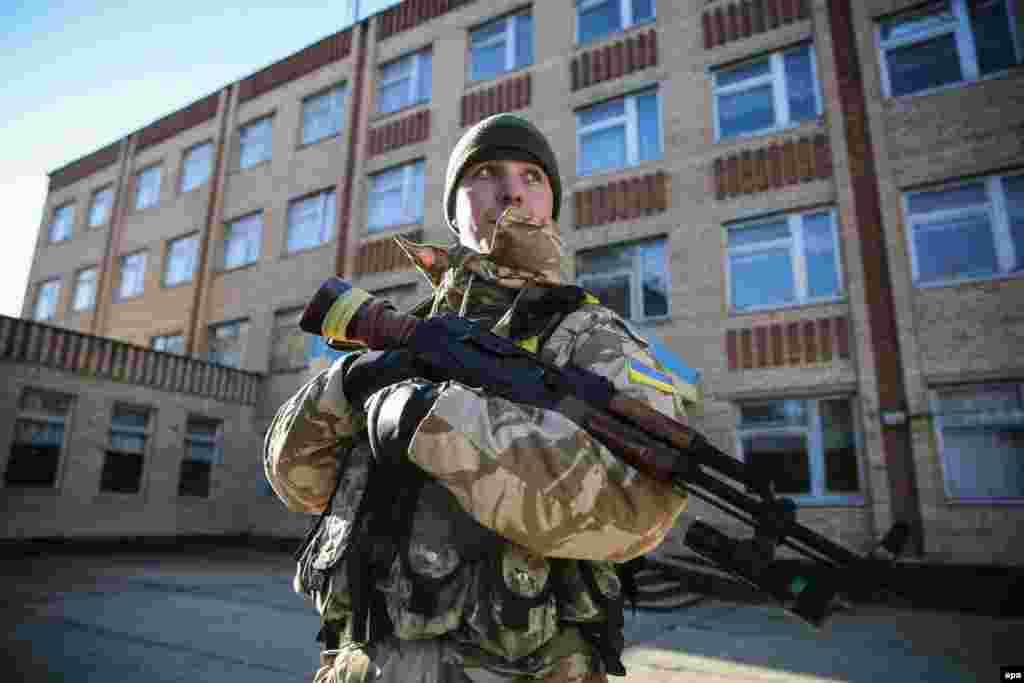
<point x="818" y="203"/>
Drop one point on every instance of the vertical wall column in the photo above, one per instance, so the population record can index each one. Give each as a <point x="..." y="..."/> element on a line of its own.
<point x="214" y="210"/>
<point x="880" y="309"/>
<point x="346" y="184"/>
<point x="106" y="278"/>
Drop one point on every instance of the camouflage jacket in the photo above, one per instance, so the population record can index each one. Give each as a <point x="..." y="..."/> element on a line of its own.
<point x="514" y="495"/>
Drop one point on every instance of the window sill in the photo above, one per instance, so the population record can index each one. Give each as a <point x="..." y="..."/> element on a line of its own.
<point x="82" y="311"/>
<point x="603" y="175"/>
<point x="241" y="169"/>
<point x="970" y="281"/>
<point x="598" y="40"/>
<point x="232" y="269"/>
<point x="314" y="143"/>
<point x="176" y="285"/>
<point x="136" y="210"/>
<point x="392" y="230"/>
<point x="124" y="299"/>
<point x="734" y="313"/>
<point x="815" y="122"/>
<point x="471" y="86"/>
<point x="895" y="99"/>
<point x="1011" y="502"/>
<point x="182" y="192"/>
<point x="381" y="116"/>
<point x="306" y="250"/>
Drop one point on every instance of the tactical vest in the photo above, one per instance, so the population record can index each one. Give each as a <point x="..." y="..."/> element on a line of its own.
<point x="393" y="553"/>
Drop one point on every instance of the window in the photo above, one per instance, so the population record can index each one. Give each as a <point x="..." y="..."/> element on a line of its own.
<point x="947" y="42"/>
<point x="227" y="343"/>
<point x="773" y="92"/>
<point x="169" y="343"/>
<point x="630" y="279"/>
<point x="254" y="142"/>
<point x="806" y="448"/>
<point x="404" y="82"/>
<point x="971" y="230"/>
<point x="618" y="133"/>
<point x="242" y="241"/>
<point x="288" y="351"/>
<point x="311" y="221"/>
<point x="980" y="433"/>
<point x="203" y="448"/>
<point x="322" y="114"/>
<point x="99" y="209"/>
<point x="47" y="296"/>
<point x="85" y="290"/>
<point x="133" y="275"/>
<point x="596" y="19"/>
<point x="196" y="166"/>
<point x="38" y="439"/>
<point x="783" y="260"/>
<point x="62" y="222"/>
<point x="147" y="187"/>
<point x="501" y="45"/>
<point x="181" y="260"/>
<point x="396" y="197"/>
<point x="122" y="465"/>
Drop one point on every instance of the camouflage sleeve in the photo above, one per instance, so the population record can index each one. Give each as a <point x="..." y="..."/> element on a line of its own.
<point x="300" y="453"/>
<point x="539" y="480"/>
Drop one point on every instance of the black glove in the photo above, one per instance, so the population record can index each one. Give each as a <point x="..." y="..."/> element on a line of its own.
<point x="375" y="370"/>
<point x="393" y="414"/>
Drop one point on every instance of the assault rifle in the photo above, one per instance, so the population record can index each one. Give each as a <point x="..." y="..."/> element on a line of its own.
<point x="450" y="347"/>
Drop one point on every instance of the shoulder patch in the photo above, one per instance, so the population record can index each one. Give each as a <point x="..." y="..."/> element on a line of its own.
<point x="641" y="373"/>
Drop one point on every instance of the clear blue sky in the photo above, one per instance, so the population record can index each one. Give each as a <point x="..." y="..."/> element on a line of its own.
<point x="80" y="76"/>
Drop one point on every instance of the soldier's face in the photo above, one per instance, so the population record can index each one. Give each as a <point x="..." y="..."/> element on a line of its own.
<point x="490" y="187"/>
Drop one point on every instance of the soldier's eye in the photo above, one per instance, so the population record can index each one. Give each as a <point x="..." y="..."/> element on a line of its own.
<point x="534" y="177"/>
<point x="483" y="172"/>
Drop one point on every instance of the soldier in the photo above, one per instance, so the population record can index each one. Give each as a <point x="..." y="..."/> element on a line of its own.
<point x="462" y="537"/>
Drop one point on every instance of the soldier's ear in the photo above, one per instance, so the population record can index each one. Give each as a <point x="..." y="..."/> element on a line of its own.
<point x="430" y="259"/>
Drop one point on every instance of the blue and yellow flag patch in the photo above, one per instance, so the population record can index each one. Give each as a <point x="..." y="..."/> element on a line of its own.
<point x="641" y="373"/>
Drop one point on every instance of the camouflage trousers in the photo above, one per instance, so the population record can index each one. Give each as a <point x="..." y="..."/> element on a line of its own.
<point x="424" y="661"/>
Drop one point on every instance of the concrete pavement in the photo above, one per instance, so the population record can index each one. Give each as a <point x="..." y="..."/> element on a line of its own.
<point x="231" y="615"/>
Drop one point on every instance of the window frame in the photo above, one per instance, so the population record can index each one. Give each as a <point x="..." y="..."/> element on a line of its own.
<point x="797" y="255"/>
<point x="228" y="226"/>
<point x="636" y="277"/>
<point x="145" y="432"/>
<point x="413" y="97"/>
<point x="324" y="93"/>
<point x="32" y="416"/>
<point x="963" y="36"/>
<point x="243" y="329"/>
<point x="814" y="440"/>
<point x="776" y="77"/>
<point x="935" y="405"/>
<point x="121" y="296"/>
<point x="167" y="260"/>
<point x="511" y="23"/>
<point x="407" y="184"/>
<point x="153" y="342"/>
<point x="186" y="160"/>
<point x="324" y="195"/>
<point x="56" y="282"/>
<point x="626" y="18"/>
<point x="156" y="169"/>
<point x="999" y="222"/>
<point x="92" y="206"/>
<point x="65" y="209"/>
<point x="76" y="288"/>
<point x="276" y="334"/>
<point x="630" y="118"/>
<point x="267" y="144"/>
<point x="217" y="441"/>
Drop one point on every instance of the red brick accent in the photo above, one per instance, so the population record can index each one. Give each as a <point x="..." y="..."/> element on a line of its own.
<point x="623" y="199"/>
<point x="793" y="162"/>
<point x="345" y="191"/>
<point x="331" y="49"/>
<point x="614" y="60"/>
<point x="394" y="134"/>
<point x="85" y="167"/>
<point x="183" y="119"/>
<point x="793" y="344"/>
<point x="741" y="19"/>
<point x="412" y="13"/>
<point x="509" y="95"/>
<point x="380" y="256"/>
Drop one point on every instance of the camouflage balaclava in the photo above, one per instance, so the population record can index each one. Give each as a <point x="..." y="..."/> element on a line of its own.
<point x="500" y="137"/>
